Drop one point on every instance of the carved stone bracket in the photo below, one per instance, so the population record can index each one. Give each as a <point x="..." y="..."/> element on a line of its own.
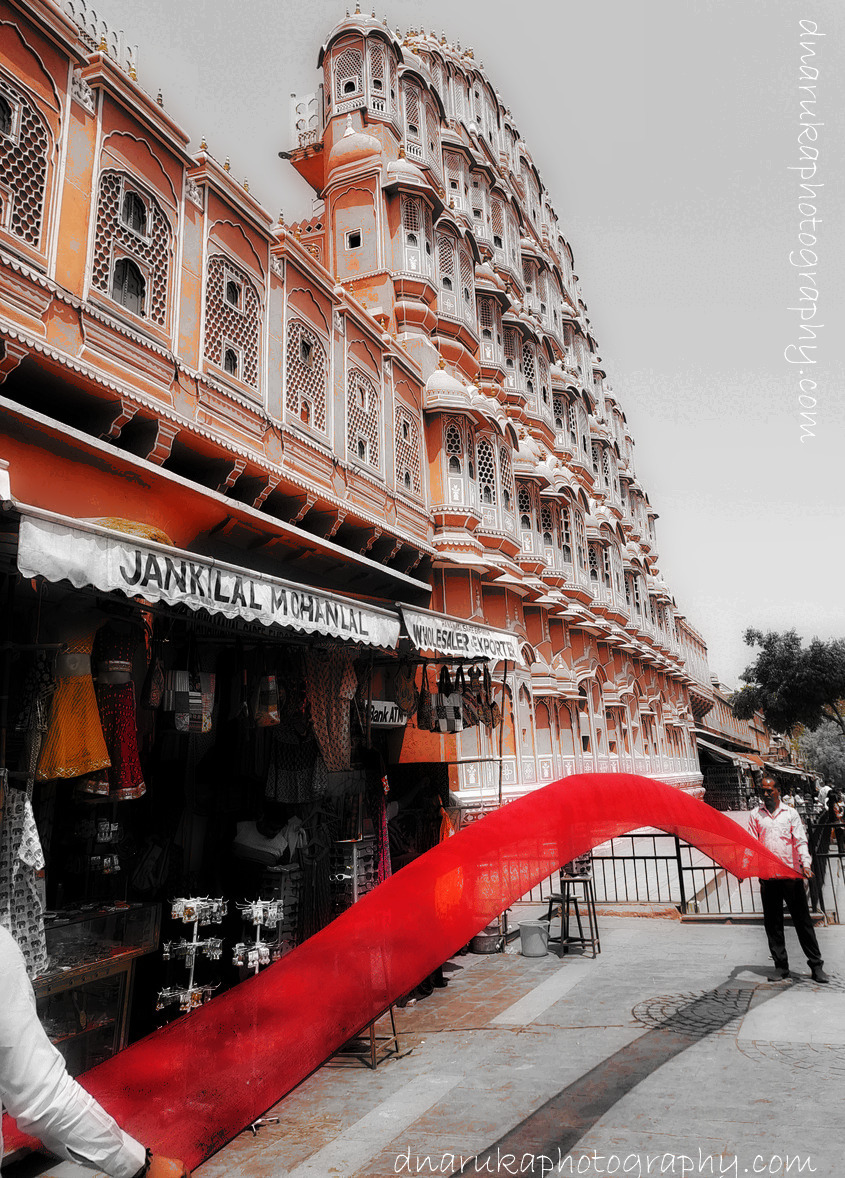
<point x="277" y="265"/>
<point x="194" y="192"/>
<point x="307" y="504"/>
<point x="238" y="467"/>
<point x="268" y="488"/>
<point x="415" y="562"/>
<point x="166" y="431"/>
<point x="374" y="535"/>
<point x="394" y="552"/>
<point x="81" y="92"/>
<point x="341" y="516"/>
<point x="338" y="323"/>
<point x="10" y="357"/>
<point x="123" y="414"/>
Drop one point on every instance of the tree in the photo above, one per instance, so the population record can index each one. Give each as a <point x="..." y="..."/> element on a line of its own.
<point x="824" y="751"/>
<point x="791" y="684"/>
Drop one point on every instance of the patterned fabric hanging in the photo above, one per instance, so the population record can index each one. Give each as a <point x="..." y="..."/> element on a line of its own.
<point x="20" y="858"/>
<point x="74" y="744"/>
<point x="114" y="650"/>
<point x="331" y="684"/>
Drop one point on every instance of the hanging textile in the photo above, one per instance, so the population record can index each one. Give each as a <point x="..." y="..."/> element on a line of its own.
<point x="21" y="858"/>
<point x="74" y="744"/>
<point x="331" y="683"/>
<point x="38" y="688"/>
<point x="113" y="653"/>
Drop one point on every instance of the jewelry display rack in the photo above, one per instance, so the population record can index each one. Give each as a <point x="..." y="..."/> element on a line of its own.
<point x="260" y="914"/>
<point x="195" y="911"/>
<point x="352" y="871"/>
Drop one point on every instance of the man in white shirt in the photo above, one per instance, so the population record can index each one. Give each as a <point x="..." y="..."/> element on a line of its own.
<point x="38" y="1092"/>
<point x="781" y="831"/>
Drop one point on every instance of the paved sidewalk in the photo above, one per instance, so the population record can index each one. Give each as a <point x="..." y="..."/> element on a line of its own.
<point x="669" y="1050"/>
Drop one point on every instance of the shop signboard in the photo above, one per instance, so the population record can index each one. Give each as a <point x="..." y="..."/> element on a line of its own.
<point x="87" y="554"/>
<point x="384" y="713"/>
<point x="458" y="638"/>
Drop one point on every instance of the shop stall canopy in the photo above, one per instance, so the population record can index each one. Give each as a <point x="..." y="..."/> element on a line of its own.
<point x="457" y="638"/>
<point x="60" y="548"/>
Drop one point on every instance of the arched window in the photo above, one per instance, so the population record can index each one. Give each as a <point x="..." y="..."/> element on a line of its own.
<point x="348" y="73"/>
<point x="134" y="213"/>
<point x="458" y="451"/>
<point x="306" y="375"/>
<point x="230" y="361"/>
<point x="24" y="160"/>
<point x="407" y="450"/>
<point x="486" y="472"/>
<point x="233" y="293"/>
<point x="416" y="229"/>
<point x="363" y="411"/>
<point x="5" y="117"/>
<point x="232" y="319"/>
<point x="128" y="287"/>
<point x="150" y="250"/>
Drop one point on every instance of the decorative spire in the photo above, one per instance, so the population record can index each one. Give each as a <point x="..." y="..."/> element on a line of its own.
<point x="133" y="73"/>
<point x="203" y="144"/>
<point x="160" y="98"/>
<point x="226" y="164"/>
<point x="246" y="184"/>
<point x="281" y="216"/>
<point x="401" y="151"/>
<point x="357" y="9"/>
<point x="102" y="47"/>
<point x="441" y="363"/>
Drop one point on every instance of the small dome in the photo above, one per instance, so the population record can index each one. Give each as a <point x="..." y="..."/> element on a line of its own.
<point x="352" y="146"/>
<point x="405" y="171"/>
<point x="440" y="383"/>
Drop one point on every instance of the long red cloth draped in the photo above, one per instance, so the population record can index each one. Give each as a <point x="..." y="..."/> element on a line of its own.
<point x="191" y="1086"/>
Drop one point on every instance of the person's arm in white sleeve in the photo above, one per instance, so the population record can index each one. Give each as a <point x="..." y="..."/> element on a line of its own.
<point x="799" y="836"/>
<point x="38" y="1092"/>
<point x="754" y="826"/>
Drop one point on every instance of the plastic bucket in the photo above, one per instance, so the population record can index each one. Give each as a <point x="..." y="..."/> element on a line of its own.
<point x="534" y="937"/>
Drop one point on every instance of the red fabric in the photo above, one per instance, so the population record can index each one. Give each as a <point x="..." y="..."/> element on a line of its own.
<point x="190" y="1087"/>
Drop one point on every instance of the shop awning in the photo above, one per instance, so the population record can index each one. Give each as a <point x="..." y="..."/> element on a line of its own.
<point x="786" y="769"/>
<point x="61" y="548"/>
<point x="440" y="634"/>
<point x="725" y="754"/>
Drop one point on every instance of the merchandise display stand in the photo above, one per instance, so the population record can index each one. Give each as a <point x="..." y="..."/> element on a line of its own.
<point x="367" y="1047"/>
<point x="194" y="911"/>
<point x="261" y="914"/>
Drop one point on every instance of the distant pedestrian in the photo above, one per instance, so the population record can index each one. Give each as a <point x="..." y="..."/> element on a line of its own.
<point x="781" y="831"/>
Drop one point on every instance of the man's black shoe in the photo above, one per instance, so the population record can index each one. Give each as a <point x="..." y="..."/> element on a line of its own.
<point x="819" y="975"/>
<point x="779" y="975"/>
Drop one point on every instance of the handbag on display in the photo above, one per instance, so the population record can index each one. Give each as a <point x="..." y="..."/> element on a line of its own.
<point x="265" y="703"/>
<point x="426" y="721"/>
<point x="190" y="696"/>
<point x="152" y="692"/>
<point x="404" y="692"/>
<point x="495" y="710"/>
<point x="469" y="701"/>
<point x="477" y="688"/>
<point x="448" y="705"/>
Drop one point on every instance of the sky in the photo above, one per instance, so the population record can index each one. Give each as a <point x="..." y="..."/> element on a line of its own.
<point x="667" y="133"/>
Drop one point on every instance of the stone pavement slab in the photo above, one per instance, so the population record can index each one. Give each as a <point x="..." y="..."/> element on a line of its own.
<point x="670" y="1048"/>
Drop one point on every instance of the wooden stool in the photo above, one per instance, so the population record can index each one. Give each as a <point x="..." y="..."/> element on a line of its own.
<point x="568" y="898"/>
<point x="371" y="1057"/>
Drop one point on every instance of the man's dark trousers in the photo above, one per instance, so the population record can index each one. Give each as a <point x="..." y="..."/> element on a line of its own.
<point x="773" y="893"/>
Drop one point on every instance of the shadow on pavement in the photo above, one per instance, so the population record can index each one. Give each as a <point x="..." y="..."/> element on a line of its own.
<point x="558" y="1125"/>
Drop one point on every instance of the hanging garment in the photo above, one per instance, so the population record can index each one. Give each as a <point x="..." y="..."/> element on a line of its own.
<point x="74" y="744"/>
<point x="291" y="773"/>
<point x="39" y="685"/>
<point x="331" y="684"/>
<point x="20" y="858"/>
<point x="113" y="652"/>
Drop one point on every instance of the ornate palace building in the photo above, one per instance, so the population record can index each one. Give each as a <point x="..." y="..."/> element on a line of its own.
<point x="397" y="401"/>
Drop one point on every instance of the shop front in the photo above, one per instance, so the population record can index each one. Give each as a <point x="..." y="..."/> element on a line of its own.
<point x="204" y="764"/>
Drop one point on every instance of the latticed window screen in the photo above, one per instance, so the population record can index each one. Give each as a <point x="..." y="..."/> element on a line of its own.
<point x="455" y="184"/>
<point x="227" y="324"/>
<point x="307" y="375"/>
<point x="609" y="469"/>
<point x="467" y="286"/>
<point x="560" y="407"/>
<point x="607" y="571"/>
<point x="363" y="416"/>
<point x="348" y="73"/>
<point x="153" y="252"/>
<point x="487" y="473"/>
<point x="580" y="540"/>
<point x="543" y="379"/>
<point x="594" y="558"/>
<point x="548" y="523"/>
<point x="486" y="319"/>
<point x="618" y="576"/>
<point x="453" y="445"/>
<point x="378" y="72"/>
<point x="595" y="451"/>
<point x="528" y="367"/>
<point x="407" y="451"/>
<point x="512" y="348"/>
<point x="458" y="96"/>
<point x="497" y="224"/>
<point x="478" y="198"/>
<point x="413" y="112"/>
<point x="432" y="137"/>
<point x="513" y="240"/>
<point x="566" y="532"/>
<point x="524" y="505"/>
<point x="506" y="471"/>
<point x="23" y="168"/>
